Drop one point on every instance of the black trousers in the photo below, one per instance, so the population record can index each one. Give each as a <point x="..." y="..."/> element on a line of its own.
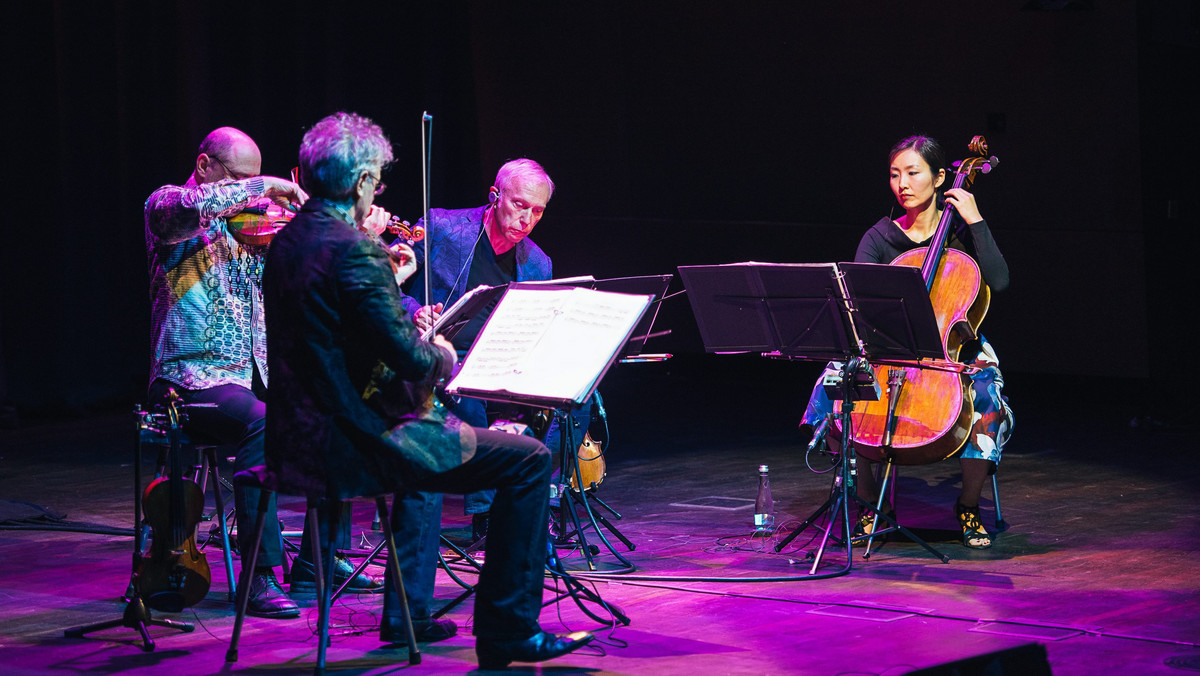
<point x="508" y="598"/>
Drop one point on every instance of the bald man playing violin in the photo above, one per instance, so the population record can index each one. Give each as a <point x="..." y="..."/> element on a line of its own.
<point x="208" y="331"/>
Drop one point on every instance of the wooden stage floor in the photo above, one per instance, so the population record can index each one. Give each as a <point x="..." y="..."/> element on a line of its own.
<point x="1099" y="567"/>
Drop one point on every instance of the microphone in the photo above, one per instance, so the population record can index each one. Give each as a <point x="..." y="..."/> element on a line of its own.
<point x="600" y="405"/>
<point x="819" y="435"/>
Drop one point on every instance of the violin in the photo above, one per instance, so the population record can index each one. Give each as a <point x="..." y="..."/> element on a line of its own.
<point x="926" y="414"/>
<point x="257" y="223"/>
<point x="174" y="574"/>
<point x="403" y="265"/>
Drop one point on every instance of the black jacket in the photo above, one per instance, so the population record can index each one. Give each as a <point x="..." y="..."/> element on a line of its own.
<point x="337" y="336"/>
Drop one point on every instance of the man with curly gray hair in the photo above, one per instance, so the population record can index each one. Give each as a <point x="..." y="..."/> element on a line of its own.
<point x="351" y="410"/>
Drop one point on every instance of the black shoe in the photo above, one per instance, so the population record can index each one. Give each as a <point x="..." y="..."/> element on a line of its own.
<point x="391" y="630"/>
<point x="304" y="578"/>
<point x="479" y="526"/>
<point x="540" y="647"/>
<point x="267" y="599"/>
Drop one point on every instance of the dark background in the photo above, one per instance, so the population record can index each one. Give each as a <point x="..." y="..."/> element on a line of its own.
<point x="677" y="132"/>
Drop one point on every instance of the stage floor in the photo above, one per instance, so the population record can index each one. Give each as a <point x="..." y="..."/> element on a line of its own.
<point x="1099" y="566"/>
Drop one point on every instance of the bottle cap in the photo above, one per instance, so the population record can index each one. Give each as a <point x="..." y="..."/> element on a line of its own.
<point x="762" y="469"/>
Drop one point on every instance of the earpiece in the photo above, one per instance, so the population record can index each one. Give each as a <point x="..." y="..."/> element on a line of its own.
<point x="493" y="195"/>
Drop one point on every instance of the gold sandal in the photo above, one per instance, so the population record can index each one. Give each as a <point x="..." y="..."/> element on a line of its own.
<point x="973" y="534"/>
<point x="866" y="521"/>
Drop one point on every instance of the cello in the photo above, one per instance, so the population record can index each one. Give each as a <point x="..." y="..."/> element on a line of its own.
<point x="931" y="409"/>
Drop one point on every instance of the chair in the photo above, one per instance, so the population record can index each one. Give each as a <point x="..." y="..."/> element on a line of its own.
<point x="260" y="478"/>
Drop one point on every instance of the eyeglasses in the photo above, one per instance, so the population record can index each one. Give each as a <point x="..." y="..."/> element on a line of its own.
<point x="228" y="173"/>
<point x="380" y="186"/>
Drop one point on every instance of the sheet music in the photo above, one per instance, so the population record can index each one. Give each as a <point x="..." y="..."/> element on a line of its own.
<point x="554" y="342"/>
<point x="450" y="312"/>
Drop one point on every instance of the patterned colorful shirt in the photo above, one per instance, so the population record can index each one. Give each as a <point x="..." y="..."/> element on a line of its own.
<point x="207" y="324"/>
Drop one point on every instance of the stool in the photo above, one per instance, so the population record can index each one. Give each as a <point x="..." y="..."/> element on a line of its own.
<point x="151" y="432"/>
<point x="259" y="478"/>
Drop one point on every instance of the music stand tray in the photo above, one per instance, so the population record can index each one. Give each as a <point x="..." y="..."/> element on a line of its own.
<point x="855" y="313"/>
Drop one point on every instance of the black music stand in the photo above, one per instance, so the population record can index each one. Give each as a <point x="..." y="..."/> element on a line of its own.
<point x="855" y="313"/>
<point x="631" y="352"/>
<point x="517" y="358"/>
<point x="570" y="528"/>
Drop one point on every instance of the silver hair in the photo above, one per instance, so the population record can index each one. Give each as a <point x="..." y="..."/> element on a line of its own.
<point x="336" y="151"/>
<point x="522" y="171"/>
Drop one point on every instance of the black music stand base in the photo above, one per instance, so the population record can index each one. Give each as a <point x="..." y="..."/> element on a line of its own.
<point x="844" y="484"/>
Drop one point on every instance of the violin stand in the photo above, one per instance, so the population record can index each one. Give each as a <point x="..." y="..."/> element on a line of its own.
<point x="137" y="614"/>
<point x="855" y="313"/>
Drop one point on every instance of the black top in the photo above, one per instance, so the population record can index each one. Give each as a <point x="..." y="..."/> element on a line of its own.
<point x="885" y="241"/>
<point x="491" y="269"/>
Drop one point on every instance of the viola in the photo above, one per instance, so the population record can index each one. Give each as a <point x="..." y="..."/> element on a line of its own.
<point x="259" y="222"/>
<point x="931" y="410"/>
<point x="174" y="574"/>
<point x="592" y="469"/>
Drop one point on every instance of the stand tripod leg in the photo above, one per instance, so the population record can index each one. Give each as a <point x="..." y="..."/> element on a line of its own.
<point x="136" y="615"/>
<point x="613" y="529"/>
<point x="468" y="589"/>
<point x="812" y="518"/>
<point x="579" y="592"/>
<point x="569" y="498"/>
<point x="211" y="459"/>
<point x="895" y="526"/>
<point x="889" y="471"/>
<point x="568" y="507"/>
<point x="616" y="515"/>
<point x="839" y="507"/>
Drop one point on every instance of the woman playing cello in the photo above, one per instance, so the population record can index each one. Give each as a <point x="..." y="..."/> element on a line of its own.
<point x="918" y="179"/>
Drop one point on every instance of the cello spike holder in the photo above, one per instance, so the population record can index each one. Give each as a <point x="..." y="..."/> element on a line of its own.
<point x="137" y="614"/>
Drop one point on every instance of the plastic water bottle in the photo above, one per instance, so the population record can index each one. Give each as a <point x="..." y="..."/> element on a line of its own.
<point x="764" y="506"/>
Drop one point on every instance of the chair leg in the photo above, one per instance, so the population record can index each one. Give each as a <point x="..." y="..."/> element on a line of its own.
<point x="211" y="459"/>
<point x="243" y="587"/>
<point x="1001" y="524"/>
<point x="414" y="653"/>
<point x="324" y="579"/>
